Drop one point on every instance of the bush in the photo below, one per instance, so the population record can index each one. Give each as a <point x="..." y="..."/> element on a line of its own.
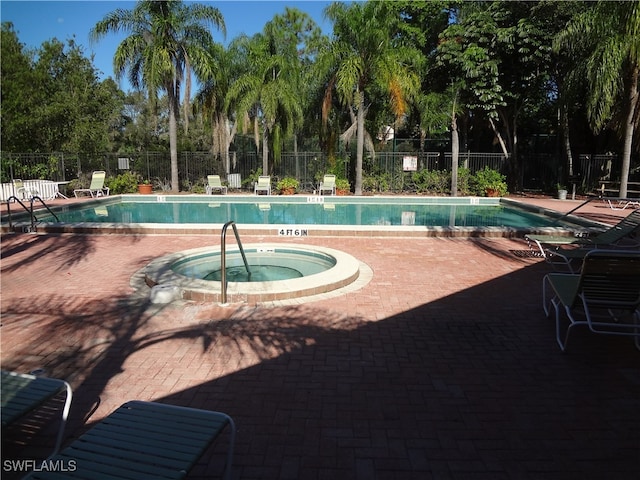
<point x="489" y="179"/>
<point x="126" y="182"/>
<point x="437" y="182"/>
<point x="287" y="183"/>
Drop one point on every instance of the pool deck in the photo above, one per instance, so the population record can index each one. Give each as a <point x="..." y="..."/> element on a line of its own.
<point x="441" y="366"/>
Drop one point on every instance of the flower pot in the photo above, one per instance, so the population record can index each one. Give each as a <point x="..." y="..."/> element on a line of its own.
<point x="145" y="189"/>
<point x="492" y="192"/>
<point x="342" y="191"/>
<point x="562" y="194"/>
<point x="287" y="191"/>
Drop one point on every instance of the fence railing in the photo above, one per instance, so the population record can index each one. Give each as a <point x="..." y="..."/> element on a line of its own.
<point x="538" y="172"/>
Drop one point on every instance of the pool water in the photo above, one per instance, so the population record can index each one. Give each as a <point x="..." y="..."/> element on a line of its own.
<point x="332" y="211"/>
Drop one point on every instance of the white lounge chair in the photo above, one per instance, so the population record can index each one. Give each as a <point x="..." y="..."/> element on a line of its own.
<point x="97" y="188"/>
<point x="263" y="185"/>
<point x="328" y="184"/>
<point x="605" y="296"/>
<point x="215" y="185"/>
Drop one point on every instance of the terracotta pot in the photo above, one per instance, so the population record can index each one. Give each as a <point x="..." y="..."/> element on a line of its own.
<point x="144" y="189"/>
<point x="342" y="192"/>
<point x="287" y="191"/>
<point x="491" y="192"/>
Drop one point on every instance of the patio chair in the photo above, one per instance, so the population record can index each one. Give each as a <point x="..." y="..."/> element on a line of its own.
<point x="21" y="191"/>
<point x="605" y="296"/>
<point x="215" y="185"/>
<point x="144" y="440"/>
<point x="263" y="185"/>
<point x="624" y="229"/>
<point x="23" y="394"/>
<point x="97" y="188"/>
<point x="328" y="184"/>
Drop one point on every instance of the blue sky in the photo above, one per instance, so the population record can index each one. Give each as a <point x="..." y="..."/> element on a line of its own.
<point x="38" y="21"/>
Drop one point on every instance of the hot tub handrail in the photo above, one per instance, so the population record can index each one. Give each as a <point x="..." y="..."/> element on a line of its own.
<point x="223" y="257"/>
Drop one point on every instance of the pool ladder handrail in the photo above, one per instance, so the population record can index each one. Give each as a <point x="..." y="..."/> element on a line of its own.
<point x="223" y="258"/>
<point x="32" y="216"/>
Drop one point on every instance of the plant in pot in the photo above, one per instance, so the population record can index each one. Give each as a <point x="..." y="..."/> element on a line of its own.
<point x="562" y="192"/>
<point x="287" y="185"/>
<point x="490" y="182"/>
<point x="342" y="186"/>
<point x="145" y="187"/>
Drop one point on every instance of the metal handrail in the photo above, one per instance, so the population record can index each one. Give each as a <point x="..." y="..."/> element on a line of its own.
<point x="32" y="216"/>
<point x="223" y="257"/>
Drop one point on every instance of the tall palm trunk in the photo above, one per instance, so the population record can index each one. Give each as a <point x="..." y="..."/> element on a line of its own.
<point x="359" y="142"/>
<point x="173" y="142"/>
<point x="629" y="128"/>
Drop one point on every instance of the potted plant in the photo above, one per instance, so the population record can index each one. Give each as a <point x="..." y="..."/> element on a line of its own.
<point x="562" y="192"/>
<point x="287" y="185"/>
<point x="145" y="187"/>
<point x="342" y="186"/>
<point x="490" y="183"/>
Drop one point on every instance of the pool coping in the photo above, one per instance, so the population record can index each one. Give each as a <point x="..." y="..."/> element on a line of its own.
<point x="279" y="230"/>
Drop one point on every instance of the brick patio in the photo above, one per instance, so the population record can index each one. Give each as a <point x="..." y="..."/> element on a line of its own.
<point x="442" y="367"/>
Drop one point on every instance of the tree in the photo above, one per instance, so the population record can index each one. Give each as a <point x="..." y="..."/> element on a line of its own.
<point x="364" y="57"/>
<point x="266" y="92"/>
<point x="166" y="39"/>
<point x="501" y="52"/>
<point x="604" y="43"/>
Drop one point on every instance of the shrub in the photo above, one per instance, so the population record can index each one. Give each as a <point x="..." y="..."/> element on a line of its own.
<point x="126" y="182"/>
<point x="489" y="179"/>
<point x="287" y="183"/>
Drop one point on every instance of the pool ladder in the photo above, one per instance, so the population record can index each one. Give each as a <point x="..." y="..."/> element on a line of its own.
<point x="223" y="258"/>
<point x="32" y="216"/>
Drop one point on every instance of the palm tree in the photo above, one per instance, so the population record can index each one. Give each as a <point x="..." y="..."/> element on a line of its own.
<point x="266" y="93"/>
<point x="604" y="43"/>
<point x="211" y="100"/>
<point x="166" y="40"/>
<point x="363" y="57"/>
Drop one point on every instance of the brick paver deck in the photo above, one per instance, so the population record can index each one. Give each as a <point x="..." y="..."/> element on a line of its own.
<point x="442" y="367"/>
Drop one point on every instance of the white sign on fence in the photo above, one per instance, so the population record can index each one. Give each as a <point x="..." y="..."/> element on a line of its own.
<point x="410" y="163"/>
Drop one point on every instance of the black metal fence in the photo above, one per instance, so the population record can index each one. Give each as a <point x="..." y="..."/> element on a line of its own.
<point x="539" y="172"/>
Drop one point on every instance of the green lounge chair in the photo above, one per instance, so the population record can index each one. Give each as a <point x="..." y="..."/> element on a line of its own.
<point x="263" y="185"/>
<point x="97" y="188"/>
<point x="610" y="237"/>
<point x="328" y="184"/>
<point x="215" y="185"/>
<point x="605" y="296"/>
<point x="143" y="440"/>
<point x="23" y="393"/>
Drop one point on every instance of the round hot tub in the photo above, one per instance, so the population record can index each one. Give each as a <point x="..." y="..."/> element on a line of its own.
<point x="275" y="272"/>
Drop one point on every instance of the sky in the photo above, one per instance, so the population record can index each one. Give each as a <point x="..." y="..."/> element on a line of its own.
<point x="38" y="21"/>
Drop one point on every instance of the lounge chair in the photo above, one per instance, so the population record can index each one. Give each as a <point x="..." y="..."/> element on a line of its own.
<point x="610" y="237"/>
<point x="263" y="185"/>
<point x="215" y="185"/>
<point x="23" y="393"/>
<point x="328" y="184"/>
<point x="97" y="188"/>
<point x="20" y="191"/>
<point x="607" y="289"/>
<point x="621" y="204"/>
<point x="144" y="440"/>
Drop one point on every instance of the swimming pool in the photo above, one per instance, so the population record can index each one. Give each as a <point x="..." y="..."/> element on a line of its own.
<point x="303" y="215"/>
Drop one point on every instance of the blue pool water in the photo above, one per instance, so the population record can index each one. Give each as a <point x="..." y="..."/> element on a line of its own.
<point x="300" y="210"/>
